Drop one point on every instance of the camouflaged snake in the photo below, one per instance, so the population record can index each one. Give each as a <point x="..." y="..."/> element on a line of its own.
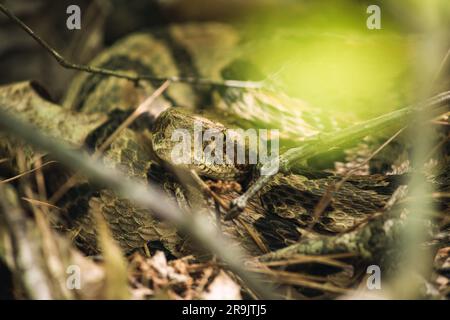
<point x="95" y="105"/>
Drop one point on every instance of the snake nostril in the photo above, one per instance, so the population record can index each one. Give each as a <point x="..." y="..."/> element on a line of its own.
<point x="327" y="220"/>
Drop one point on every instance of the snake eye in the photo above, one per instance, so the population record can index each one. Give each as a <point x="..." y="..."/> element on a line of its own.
<point x="339" y="214"/>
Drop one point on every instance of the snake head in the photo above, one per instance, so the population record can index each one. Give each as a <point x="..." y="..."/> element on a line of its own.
<point x="195" y="143"/>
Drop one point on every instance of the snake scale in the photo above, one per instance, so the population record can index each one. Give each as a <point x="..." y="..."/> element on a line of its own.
<point x="95" y="105"/>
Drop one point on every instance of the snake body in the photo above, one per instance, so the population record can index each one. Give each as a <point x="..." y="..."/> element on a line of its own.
<point x="95" y="105"/>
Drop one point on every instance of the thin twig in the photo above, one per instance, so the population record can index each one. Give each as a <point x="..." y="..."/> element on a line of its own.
<point x="142" y="108"/>
<point x="256" y="237"/>
<point x="440" y="123"/>
<point x="398" y="194"/>
<point x="26" y="172"/>
<point x="438" y="146"/>
<point x="303" y="259"/>
<point x="125" y="75"/>
<point x="207" y="190"/>
<point x="302" y="280"/>
<point x="250" y="230"/>
<point x="331" y="191"/>
<point x="40" y="180"/>
<point x="437" y="195"/>
<point x="40" y="203"/>
<point x="441" y="67"/>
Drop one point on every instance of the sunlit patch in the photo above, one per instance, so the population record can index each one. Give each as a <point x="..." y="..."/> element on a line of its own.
<point x="328" y="57"/>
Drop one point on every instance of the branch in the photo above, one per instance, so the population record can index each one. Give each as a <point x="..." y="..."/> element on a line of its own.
<point x="370" y="241"/>
<point x="323" y="143"/>
<point x="125" y="75"/>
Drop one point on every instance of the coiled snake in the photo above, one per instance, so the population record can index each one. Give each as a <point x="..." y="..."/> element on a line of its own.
<point x="95" y="105"/>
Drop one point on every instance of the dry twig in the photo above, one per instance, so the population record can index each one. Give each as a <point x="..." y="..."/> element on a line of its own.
<point x="125" y="75"/>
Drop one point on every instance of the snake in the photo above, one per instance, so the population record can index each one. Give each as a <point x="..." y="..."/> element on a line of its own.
<point x="95" y="105"/>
